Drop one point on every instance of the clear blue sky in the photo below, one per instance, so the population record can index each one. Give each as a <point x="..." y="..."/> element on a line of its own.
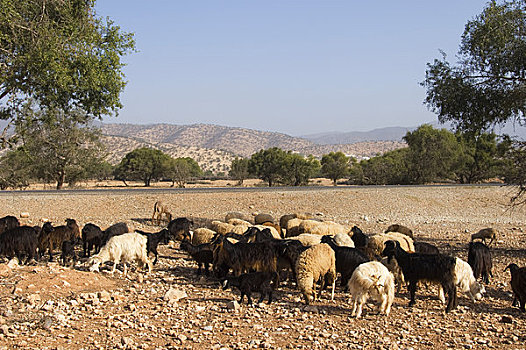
<point x="297" y="67"/>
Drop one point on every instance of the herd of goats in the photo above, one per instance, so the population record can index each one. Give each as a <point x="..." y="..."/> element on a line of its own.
<point x="254" y="253"/>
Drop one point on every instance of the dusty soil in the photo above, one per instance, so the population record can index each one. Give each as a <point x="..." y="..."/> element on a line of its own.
<point x="46" y="306"/>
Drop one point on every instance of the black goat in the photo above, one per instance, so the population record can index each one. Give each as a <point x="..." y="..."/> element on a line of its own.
<point x="347" y="259"/>
<point x="518" y="285"/>
<point x="114" y="230"/>
<point x="253" y="282"/>
<point x="179" y="228"/>
<point x="68" y="256"/>
<point x="201" y="253"/>
<point x="359" y="238"/>
<point x="425" y="248"/>
<point x="21" y="241"/>
<point x="153" y="240"/>
<point x="8" y="222"/>
<point x="92" y="237"/>
<point x="425" y="267"/>
<point x="479" y="258"/>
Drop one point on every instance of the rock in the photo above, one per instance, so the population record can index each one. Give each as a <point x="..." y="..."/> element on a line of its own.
<point x="46" y="322"/>
<point x="24" y="215"/>
<point x="182" y="338"/>
<point x="506" y="319"/>
<point x="311" y="308"/>
<point x="34" y="299"/>
<point x="126" y="341"/>
<point x="12" y="263"/>
<point x="174" y="295"/>
<point x="4" y="329"/>
<point x="104" y="296"/>
<point x="233" y="305"/>
<point x="4" y="270"/>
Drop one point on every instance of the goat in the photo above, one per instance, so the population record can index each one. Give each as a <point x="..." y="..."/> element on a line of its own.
<point x="92" y="237"/>
<point x="425" y="248"/>
<point x="485" y="233"/>
<point x="518" y="285"/>
<point x="179" y="228"/>
<point x="479" y="258"/>
<point x="68" y="256"/>
<point x="52" y="237"/>
<point x="371" y="279"/>
<point x="359" y="238"/>
<point x="153" y="241"/>
<point x="253" y="282"/>
<point x="160" y="209"/>
<point x="123" y="248"/>
<point x="347" y="259"/>
<point x="202" y="254"/>
<point x="8" y="222"/>
<point x="116" y="229"/>
<point x="428" y="267"/>
<point x="315" y="263"/>
<point x="20" y="241"/>
<point x="401" y="229"/>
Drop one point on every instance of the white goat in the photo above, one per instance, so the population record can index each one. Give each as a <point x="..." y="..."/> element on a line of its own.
<point x="371" y="279"/>
<point x="124" y="248"/>
<point x="465" y="282"/>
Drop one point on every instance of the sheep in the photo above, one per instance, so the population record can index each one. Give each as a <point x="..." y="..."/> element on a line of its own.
<point x="201" y="253"/>
<point x="153" y="241"/>
<point x="284" y="220"/>
<point x="92" y="237"/>
<point x="275" y="231"/>
<point x="236" y="221"/>
<point x="316" y="262"/>
<point x="293" y="227"/>
<point x="428" y="267"/>
<point x="52" y="237"/>
<point x="425" y="248"/>
<point x="518" y="285"/>
<point x="160" y="210"/>
<point x="485" y="233"/>
<point x="202" y="235"/>
<point x="343" y="240"/>
<point x="347" y="259"/>
<point x="116" y="229"/>
<point x="479" y="258"/>
<point x="261" y="218"/>
<point x="401" y="229"/>
<point x="19" y="242"/>
<point x="237" y="215"/>
<point x="179" y="228"/>
<point x="307" y="239"/>
<point x="68" y="256"/>
<point x="321" y="227"/>
<point x="253" y="282"/>
<point x="123" y="248"/>
<point x="465" y="282"/>
<point x="376" y="243"/>
<point x="223" y="228"/>
<point x="371" y="279"/>
<point x="359" y="238"/>
<point x="8" y="222"/>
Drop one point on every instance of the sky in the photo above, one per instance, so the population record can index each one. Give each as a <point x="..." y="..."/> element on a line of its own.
<point x="298" y="67"/>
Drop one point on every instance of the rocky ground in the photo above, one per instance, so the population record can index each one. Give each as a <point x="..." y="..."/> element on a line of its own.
<point x="46" y="306"/>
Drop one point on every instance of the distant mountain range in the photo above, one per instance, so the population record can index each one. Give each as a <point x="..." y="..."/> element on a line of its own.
<point x="382" y="134"/>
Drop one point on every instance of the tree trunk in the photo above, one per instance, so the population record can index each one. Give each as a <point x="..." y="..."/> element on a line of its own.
<point x="61" y="179"/>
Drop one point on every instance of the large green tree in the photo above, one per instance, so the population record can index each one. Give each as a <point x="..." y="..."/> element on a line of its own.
<point x="239" y="170"/>
<point x="62" y="55"/>
<point x="299" y="169"/>
<point x="432" y="152"/>
<point x="60" y="147"/>
<point x="335" y="165"/>
<point x="269" y="165"/>
<point x="390" y="168"/>
<point x="487" y="85"/>
<point x="15" y="169"/>
<point x="180" y="170"/>
<point x="143" y="164"/>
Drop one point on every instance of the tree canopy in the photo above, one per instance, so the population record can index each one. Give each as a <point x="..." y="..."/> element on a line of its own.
<point x="335" y="165"/>
<point x="62" y="55"/>
<point x="143" y="164"/>
<point x="488" y="84"/>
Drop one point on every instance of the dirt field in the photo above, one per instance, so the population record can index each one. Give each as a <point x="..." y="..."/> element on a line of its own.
<point x="47" y="306"/>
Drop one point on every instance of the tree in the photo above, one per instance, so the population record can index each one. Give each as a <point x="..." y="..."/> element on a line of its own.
<point x="334" y="166"/>
<point x="143" y="164"/>
<point x="239" y="170"/>
<point x="15" y="169"/>
<point x="432" y="152"/>
<point x="60" y="148"/>
<point x="299" y="169"/>
<point x="488" y="85"/>
<point x="180" y="170"/>
<point x="269" y="165"/>
<point x="390" y="168"/>
<point x="62" y="55"/>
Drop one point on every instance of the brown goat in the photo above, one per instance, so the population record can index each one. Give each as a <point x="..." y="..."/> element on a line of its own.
<point x="51" y="238"/>
<point x="485" y="233"/>
<point x="160" y="209"/>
